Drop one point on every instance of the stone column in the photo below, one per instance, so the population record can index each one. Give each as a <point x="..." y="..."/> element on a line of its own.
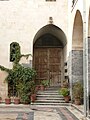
<point x="89" y="65"/>
<point x="77" y="66"/>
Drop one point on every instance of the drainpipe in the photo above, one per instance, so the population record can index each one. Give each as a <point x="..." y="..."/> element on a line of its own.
<point x="85" y="58"/>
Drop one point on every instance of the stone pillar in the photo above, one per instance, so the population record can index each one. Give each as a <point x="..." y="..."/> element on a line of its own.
<point x="3" y="85"/>
<point x="77" y="66"/>
<point x="89" y="64"/>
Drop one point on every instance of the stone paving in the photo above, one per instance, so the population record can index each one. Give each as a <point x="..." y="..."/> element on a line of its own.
<point x="28" y="112"/>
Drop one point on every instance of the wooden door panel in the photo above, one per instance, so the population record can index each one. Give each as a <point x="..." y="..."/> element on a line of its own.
<point x="47" y="62"/>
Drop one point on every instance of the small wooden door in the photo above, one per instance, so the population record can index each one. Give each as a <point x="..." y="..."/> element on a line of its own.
<point x="47" y="62"/>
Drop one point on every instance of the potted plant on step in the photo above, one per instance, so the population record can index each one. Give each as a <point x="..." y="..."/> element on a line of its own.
<point x="44" y="84"/>
<point x="65" y="93"/>
<point x="78" y="93"/>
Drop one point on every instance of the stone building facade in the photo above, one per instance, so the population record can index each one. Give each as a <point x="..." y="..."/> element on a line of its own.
<point x="33" y="23"/>
<point x="26" y="22"/>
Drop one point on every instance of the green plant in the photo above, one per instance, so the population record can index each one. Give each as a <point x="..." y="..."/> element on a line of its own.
<point x="78" y="90"/>
<point x="64" y="91"/>
<point x="65" y="84"/>
<point x="25" y="90"/>
<point x="45" y="82"/>
<point x="20" y="79"/>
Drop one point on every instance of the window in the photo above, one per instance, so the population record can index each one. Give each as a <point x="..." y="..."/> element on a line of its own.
<point x="14" y="51"/>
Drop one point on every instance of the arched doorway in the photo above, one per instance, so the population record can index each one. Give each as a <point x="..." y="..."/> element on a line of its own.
<point x="77" y="49"/>
<point x="48" y="54"/>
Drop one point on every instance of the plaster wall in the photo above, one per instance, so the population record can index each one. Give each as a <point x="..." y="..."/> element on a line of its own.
<point x="20" y="20"/>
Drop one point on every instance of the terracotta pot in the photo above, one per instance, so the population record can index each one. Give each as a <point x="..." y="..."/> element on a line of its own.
<point x="7" y="100"/>
<point x="36" y="88"/>
<point x="42" y="88"/>
<point x="16" y="100"/>
<point x="67" y="98"/>
<point x="77" y="101"/>
<point x="33" y="97"/>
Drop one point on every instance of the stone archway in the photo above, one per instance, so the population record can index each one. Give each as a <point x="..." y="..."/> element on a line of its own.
<point x="48" y="54"/>
<point x="77" y="48"/>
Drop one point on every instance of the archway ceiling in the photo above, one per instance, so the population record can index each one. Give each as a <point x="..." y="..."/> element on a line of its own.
<point x="53" y="30"/>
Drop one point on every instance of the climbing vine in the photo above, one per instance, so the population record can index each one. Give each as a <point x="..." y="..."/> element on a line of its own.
<point x="18" y="74"/>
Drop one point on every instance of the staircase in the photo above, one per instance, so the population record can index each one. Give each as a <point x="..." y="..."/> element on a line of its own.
<point x="50" y="98"/>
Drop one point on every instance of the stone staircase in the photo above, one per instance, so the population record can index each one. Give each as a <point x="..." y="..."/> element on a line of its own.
<point x="50" y="98"/>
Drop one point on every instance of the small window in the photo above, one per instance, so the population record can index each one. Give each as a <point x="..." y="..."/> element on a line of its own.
<point x="14" y="51"/>
<point x="50" y="0"/>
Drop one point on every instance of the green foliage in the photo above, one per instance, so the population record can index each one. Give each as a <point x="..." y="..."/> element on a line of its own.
<point x="64" y="91"/>
<point x="78" y="90"/>
<point x="21" y="73"/>
<point x="20" y="78"/>
<point x="15" y="54"/>
<point x="24" y="90"/>
<point x="5" y="69"/>
<point x="45" y="82"/>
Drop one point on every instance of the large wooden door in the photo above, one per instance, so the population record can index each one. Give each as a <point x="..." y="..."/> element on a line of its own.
<point x="47" y="62"/>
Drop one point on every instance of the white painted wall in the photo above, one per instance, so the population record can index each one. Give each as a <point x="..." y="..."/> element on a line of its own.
<point x="20" y="20"/>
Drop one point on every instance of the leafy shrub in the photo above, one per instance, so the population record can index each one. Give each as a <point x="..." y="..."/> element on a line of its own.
<point x="64" y="91"/>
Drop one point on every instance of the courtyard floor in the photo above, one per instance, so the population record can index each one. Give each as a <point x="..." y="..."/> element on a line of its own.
<point x="29" y="112"/>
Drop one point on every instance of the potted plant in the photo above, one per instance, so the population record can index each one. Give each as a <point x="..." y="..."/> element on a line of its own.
<point x="37" y="88"/>
<point x="78" y="93"/>
<point x="7" y="100"/>
<point x="16" y="100"/>
<point x="65" y="93"/>
<point x="44" y="83"/>
<point x="65" y="84"/>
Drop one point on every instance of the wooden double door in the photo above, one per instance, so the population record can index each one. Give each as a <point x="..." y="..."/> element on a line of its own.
<point x="47" y="62"/>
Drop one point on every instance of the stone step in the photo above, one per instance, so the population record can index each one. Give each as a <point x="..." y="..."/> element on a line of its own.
<point x="49" y="101"/>
<point x="50" y="106"/>
<point x="53" y="104"/>
<point x="49" y="95"/>
<point x="54" y="88"/>
<point x="49" y="98"/>
<point x="47" y="92"/>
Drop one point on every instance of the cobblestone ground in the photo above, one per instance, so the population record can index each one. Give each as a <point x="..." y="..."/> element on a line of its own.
<point x="26" y="112"/>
